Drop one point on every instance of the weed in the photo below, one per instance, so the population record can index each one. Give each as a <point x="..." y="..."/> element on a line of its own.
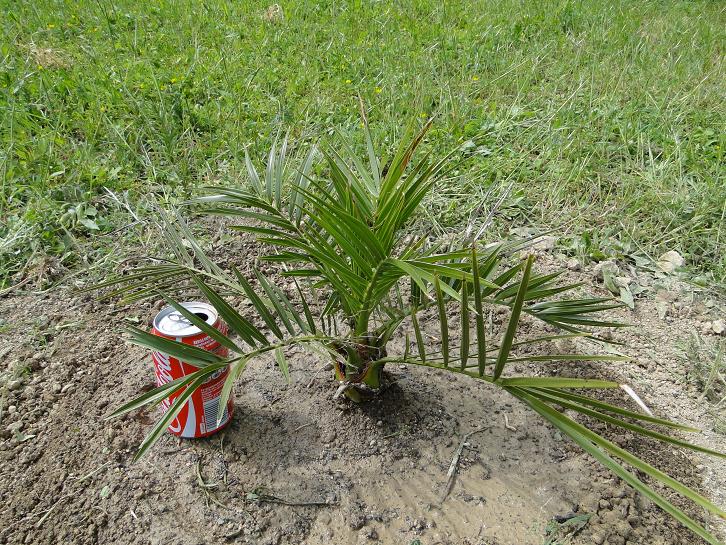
<point x="706" y="367"/>
<point x="561" y="530"/>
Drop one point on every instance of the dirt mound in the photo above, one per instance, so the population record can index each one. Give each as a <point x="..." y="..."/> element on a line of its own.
<point x="296" y="466"/>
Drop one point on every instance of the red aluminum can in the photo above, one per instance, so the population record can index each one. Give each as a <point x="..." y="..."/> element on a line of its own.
<point x="198" y="416"/>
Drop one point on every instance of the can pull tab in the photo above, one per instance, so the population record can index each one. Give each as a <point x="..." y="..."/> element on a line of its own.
<point x="181" y="320"/>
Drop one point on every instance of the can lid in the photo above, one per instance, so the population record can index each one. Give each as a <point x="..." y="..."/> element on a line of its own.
<point x="170" y="322"/>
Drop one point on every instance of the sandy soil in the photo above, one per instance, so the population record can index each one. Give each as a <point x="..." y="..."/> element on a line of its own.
<point x="298" y="467"/>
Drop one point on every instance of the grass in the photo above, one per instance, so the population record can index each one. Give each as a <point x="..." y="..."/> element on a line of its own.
<point x="706" y="367"/>
<point x="604" y="116"/>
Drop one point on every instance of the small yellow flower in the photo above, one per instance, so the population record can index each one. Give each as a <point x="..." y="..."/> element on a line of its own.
<point x="173" y="80"/>
<point x="162" y="87"/>
<point x="40" y="67"/>
<point x="51" y="25"/>
<point x="378" y="90"/>
<point x="103" y="108"/>
<point x="424" y="114"/>
<point x="475" y="78"/>
<point x="348" y="81"/>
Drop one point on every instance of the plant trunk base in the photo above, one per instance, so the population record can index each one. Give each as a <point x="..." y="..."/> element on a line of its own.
<point x="363" y="387"/>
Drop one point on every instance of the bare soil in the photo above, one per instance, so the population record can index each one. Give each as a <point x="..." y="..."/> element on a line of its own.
<point x="296" y="466"/>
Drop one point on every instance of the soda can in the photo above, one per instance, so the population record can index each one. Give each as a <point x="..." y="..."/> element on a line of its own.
<point x="198" y="416"/>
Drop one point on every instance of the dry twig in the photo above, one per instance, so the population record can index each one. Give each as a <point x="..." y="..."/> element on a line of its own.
<point x="455" y="463"/>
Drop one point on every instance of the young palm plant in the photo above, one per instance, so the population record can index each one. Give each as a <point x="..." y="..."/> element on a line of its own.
<point x="345" y="235"/>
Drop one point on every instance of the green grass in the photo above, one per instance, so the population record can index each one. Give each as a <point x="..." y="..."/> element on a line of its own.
<point x="607" y="116"/>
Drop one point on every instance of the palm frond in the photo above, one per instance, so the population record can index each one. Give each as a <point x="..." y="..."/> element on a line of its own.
<point x="569" y="426"/>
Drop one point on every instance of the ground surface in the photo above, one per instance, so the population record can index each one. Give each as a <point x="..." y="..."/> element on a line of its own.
<point x="376" y="473"/>
<point x="603" y="119"/>
<point x="606" y="117"/>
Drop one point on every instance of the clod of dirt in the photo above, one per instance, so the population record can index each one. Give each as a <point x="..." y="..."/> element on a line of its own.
<point x="670" y="261"/>
<point x="604" y="269"/>
<point x="718" y="327"/>
<point x="544" y="243"/>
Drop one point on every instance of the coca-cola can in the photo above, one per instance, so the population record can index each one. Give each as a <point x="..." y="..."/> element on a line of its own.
<point x="198" y="416"/>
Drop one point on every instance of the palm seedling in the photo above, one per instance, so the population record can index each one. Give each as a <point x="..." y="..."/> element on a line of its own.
<point x="343" y="235"/>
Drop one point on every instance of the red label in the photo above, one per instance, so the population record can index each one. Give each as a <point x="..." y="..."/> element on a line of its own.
<point x="198" y="416"/>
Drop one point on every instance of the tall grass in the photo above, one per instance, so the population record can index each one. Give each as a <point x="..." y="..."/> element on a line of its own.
<point x="607" y="113"/>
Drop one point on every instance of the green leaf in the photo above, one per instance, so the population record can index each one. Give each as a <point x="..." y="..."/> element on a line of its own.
<point x="289" y="308"/>
<point x="550" y="338"/>
<point x="89" y="223"/>
<point x="301" y="182"/>
<point x="626" y="297"/>
<point x="508" y="339"/>
<point x="557" y="382"/>
<point x="279" y="172"/>
<point x="306" y="308"/>
<point x="141" y="274"/>
<point x="584" y="400"/>
<point x="252" y="173"/>
<point x="609" y="281"/>
<point x="184" y="352"/>
<point x="419" y="337"/>
<point x="535" y="282"/>
<point x="571" y="357"/>
<point x="502" y="279"/>
<point x="421" y="276"/>
<point x="260" y="307"/>
<point x="270" y="172"/>
<point x="478" y="308"/>
<point x="375" y="167"/>
<point x="464" y="325"/>
<point x="272" y="296"/>
<point x="157" y="394"/>
<point x="443" y="320"/>
<point x="282" y="363"/>
<point x="626" y="425"/>
<point x="180" y="235"/>
<point x="235" y="370"/>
